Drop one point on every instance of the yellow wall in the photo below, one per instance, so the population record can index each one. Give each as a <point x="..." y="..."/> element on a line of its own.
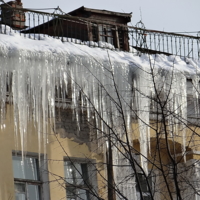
<point x="55" y="151"/>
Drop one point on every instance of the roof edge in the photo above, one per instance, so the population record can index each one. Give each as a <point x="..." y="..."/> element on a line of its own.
<point x="101" y="11"/>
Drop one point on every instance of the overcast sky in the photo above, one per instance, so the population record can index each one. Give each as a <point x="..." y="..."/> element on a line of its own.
<point x="163" y="15"/>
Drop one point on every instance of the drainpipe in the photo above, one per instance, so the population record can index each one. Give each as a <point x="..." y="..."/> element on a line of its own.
<point x="111" y="183"/>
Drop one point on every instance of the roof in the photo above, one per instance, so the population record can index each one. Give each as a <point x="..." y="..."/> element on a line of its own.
<point x="129" y="15"/>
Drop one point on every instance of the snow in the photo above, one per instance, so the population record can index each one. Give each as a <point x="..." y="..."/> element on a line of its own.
<point x="113" y="85"/>
<point x="14" y="41"/>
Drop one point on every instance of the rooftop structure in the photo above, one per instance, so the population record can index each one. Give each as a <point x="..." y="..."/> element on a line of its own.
<point x="89" y="25"/>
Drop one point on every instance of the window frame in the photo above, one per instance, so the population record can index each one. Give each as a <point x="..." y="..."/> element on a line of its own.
<point x="106" y="33"/>
<point x="41" y="177"/>
<point x="91" y="181"/>
<point x="145" y="193"/>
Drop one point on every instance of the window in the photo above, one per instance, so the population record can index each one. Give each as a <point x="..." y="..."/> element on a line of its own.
<point x="26" y="178"/>
<point x="77" y="180"/>
<point x="106" y="34"/>
<point x="144" y="186"/>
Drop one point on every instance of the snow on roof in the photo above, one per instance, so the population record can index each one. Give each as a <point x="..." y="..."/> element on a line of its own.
<point x="46" y="44"/>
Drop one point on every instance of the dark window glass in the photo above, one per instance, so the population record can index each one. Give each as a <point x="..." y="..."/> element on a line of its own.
<point x="77" y="180"/>
<point x="144" y="186"/>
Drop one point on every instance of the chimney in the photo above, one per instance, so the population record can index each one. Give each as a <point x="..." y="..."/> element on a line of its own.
<point x="11" y="17"/>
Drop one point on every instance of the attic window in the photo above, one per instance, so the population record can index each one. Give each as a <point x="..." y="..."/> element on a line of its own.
<point x="106" y="34"/>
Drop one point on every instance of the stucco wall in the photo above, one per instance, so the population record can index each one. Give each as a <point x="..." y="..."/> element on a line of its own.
<point x="56" y="150"/>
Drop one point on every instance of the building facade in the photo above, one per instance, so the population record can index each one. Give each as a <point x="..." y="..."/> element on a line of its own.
<point x="89" y="123"/>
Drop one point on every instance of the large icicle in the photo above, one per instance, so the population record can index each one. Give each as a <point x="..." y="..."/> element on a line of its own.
<point x="142" y="88"/>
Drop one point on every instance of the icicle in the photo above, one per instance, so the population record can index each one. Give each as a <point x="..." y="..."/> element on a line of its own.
<point x="196" y="90"/>
<point x="142" y="104"/>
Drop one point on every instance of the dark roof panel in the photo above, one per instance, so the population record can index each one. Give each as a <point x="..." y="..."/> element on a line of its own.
<point x="74" y="12"/>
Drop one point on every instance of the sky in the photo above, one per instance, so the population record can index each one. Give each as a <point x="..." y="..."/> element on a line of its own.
<point x="163" y="15"/>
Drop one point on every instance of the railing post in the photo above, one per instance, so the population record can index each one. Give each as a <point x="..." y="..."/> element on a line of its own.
<point x="198" y="47"/>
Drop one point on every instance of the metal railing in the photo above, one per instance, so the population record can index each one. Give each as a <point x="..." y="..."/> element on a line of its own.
<point x="168" y="43"/>
<point x="79" y="30"/>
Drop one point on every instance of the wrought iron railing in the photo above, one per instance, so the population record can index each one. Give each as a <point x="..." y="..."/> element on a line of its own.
<point x="168" y="43"/>
<point x="33" y="24"/>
